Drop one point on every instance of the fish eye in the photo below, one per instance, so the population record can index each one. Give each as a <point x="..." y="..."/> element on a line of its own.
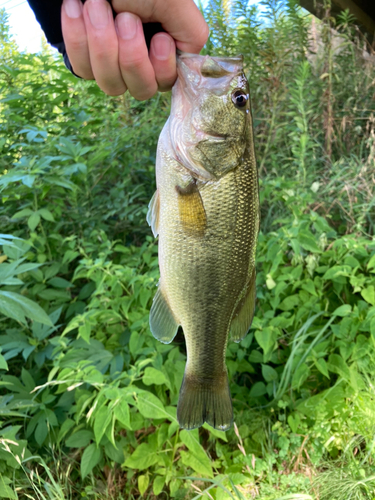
<point x="240" y="98"/>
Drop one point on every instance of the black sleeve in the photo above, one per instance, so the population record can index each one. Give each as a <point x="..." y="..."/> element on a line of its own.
<point x="48" y="14"/>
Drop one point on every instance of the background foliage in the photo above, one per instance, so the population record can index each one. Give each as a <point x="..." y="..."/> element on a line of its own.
<point x="88" y="397"/>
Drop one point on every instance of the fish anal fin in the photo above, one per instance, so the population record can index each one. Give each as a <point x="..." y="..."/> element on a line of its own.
<point x="243" y="315"/>
<point x="162" y="322"/>
<point x="153" y="213"/>
<point x="191" y="209"/>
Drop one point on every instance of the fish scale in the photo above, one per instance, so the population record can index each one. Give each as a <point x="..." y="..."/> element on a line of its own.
<point x="206" y="212"/>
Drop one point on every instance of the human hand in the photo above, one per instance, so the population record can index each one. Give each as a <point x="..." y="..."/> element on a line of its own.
<point x="114" y="51"/>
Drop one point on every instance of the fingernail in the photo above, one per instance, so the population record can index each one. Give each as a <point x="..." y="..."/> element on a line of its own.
<point x="162" y="47"/>
<point x="127" y="24"/>
<point x="73" y="8"/>
<point x="98" y="13"/>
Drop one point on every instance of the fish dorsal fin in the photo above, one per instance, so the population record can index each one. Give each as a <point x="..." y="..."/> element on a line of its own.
<point x="243" y="315"/>
<point x="153" y="213"/>
<point x="191" y="209"/>
<point x="162" y="322"/>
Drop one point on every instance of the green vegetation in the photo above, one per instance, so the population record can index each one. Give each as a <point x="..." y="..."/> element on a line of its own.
<point x="88" y="397"/>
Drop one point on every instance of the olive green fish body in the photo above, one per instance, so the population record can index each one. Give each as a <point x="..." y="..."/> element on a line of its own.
<point x="207" y="216"/>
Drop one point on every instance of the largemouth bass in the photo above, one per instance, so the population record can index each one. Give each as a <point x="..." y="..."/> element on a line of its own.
<point x="206" y="212"/>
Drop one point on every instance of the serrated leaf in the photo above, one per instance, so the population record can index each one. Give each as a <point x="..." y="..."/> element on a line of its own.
<point x="90" y="458"/>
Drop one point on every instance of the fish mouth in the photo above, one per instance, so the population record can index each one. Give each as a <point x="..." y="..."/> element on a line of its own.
<point x="210" y="136"/>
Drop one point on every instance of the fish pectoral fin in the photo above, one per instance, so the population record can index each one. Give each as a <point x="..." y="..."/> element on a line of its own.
<point x="243" y="315"/>
<point x="191" y="209"/>
<point x="153" y="213"/>
<point x="162" y="322"/>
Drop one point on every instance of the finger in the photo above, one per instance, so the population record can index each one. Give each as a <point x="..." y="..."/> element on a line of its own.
<point x="75" y="38"/>
<point x="136" y="68"/>
<point x="163" y="59"/>
<point x="103" y="46"/>
<point x="181" y="19"/>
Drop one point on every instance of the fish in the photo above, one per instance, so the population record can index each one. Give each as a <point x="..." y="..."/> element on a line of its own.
<point x="206" y="213"/>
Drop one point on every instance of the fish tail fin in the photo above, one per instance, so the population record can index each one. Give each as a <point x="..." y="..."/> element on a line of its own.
<point x="205" y="400"/>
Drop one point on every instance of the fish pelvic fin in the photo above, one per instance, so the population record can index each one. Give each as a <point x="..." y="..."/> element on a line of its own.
<point x="191" y="210"/>
<point x="162" y="322"/>
<point x="205" y="400"/>
<point x="244" y="313"/>
<point x="153" y="213"/>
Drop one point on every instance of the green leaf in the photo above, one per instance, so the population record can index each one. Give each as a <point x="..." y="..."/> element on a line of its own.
<point x="143" y="482"/>
<point x="214" y="432"/>
<point x="342" y="311"/>
<point x="372" y="327"/>
<point x="102" y="420"/>
<point x="369" y="295"/>
<point x="46" y="214"/>
<point x="90" y="458"/>
<point x="308" y="242"/>
<point x="258" y="390"/>
<point x="5" y="490"/>
<point x="22" y="213"/>
<point x="158" y="485"/>
<point x="337" y="365"/>
<point x="150" y="406"/>
<point x="143" y="457"/>
<point x="269" y="373"/>
<point x="3" y="363"/>
<point x="121" y="413"/>
<point x="336" y="271"/>
<point x="41" y="432"/>
<point x="154" y="376"/>
<point x="197" y="459"/>
<point x="371" y="263"/>
<point x="300" y="375"/>
<point x="17" y="307"/>
<point x="266" y="339"/>
<point x="79" y="439"/>
<point x="289" y="303"/>
<point x="322" y="366"/>
<point x="84" y="331"/>
<point x="33" y="221"/>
